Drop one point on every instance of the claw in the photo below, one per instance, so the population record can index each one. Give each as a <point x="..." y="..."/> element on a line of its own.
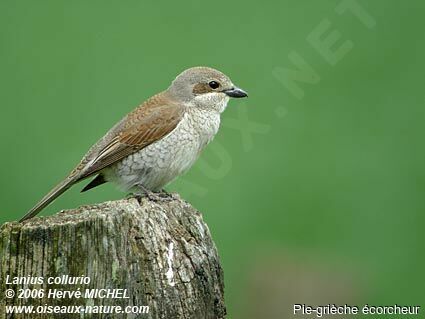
<point x="155" y="197"/>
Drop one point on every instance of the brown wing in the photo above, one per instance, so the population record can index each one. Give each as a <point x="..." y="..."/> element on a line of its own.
<point x="148" y="123"/>
<point x="145" y="125"/>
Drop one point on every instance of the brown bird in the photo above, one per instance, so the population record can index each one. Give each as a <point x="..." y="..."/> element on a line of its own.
<point x="159" y="140"/>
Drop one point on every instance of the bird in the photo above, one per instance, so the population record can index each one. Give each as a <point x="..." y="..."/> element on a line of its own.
<point x="156" y="142"/>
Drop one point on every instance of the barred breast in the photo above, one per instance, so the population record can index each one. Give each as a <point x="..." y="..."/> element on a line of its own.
<point x="159" y="163"/>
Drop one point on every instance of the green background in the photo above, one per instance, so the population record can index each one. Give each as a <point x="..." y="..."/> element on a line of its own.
<point x="311" y="200"/>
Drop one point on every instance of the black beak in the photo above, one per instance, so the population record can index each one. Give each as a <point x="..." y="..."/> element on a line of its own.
<point x="236" y="92"/>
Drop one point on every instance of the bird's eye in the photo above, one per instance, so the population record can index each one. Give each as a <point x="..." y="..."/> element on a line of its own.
<point x="214" y="85"/>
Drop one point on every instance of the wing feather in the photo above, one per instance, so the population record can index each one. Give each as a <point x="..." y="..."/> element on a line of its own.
<point x="142" y="128"/>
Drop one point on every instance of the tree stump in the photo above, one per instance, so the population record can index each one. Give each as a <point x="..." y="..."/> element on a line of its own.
<point x="157" y="254"/>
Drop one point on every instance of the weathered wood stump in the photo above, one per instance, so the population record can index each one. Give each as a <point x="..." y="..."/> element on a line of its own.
<point x="156" y="254"/>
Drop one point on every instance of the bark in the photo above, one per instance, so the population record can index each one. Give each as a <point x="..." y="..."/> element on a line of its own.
<point x="160" y="252"/>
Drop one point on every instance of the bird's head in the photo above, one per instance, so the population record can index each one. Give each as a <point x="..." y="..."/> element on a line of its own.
<point x="204" y="87"/>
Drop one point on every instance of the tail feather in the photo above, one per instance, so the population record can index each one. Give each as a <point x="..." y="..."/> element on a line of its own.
<point x="50" y="197"/>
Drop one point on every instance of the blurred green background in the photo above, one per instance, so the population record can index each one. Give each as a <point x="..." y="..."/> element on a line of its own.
<point x="311" y="200"/>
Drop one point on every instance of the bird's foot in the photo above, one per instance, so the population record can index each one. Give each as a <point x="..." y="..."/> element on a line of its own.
<point x="154" y="196"/>
<point x="165" y="195"/>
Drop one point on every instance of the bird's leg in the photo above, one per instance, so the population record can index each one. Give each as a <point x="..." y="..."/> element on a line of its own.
<point x="155" y="196"/>
<point x="164" y="194"/>
<point x="148" y="193"/>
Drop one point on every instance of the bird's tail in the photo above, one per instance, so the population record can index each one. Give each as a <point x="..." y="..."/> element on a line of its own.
<point x="50" y="197"/>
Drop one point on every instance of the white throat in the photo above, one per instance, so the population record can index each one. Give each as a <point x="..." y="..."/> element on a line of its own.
<point x="212" y="101"/>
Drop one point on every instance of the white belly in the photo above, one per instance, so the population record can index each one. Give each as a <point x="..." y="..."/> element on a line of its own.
<point x="159" y="163"/>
